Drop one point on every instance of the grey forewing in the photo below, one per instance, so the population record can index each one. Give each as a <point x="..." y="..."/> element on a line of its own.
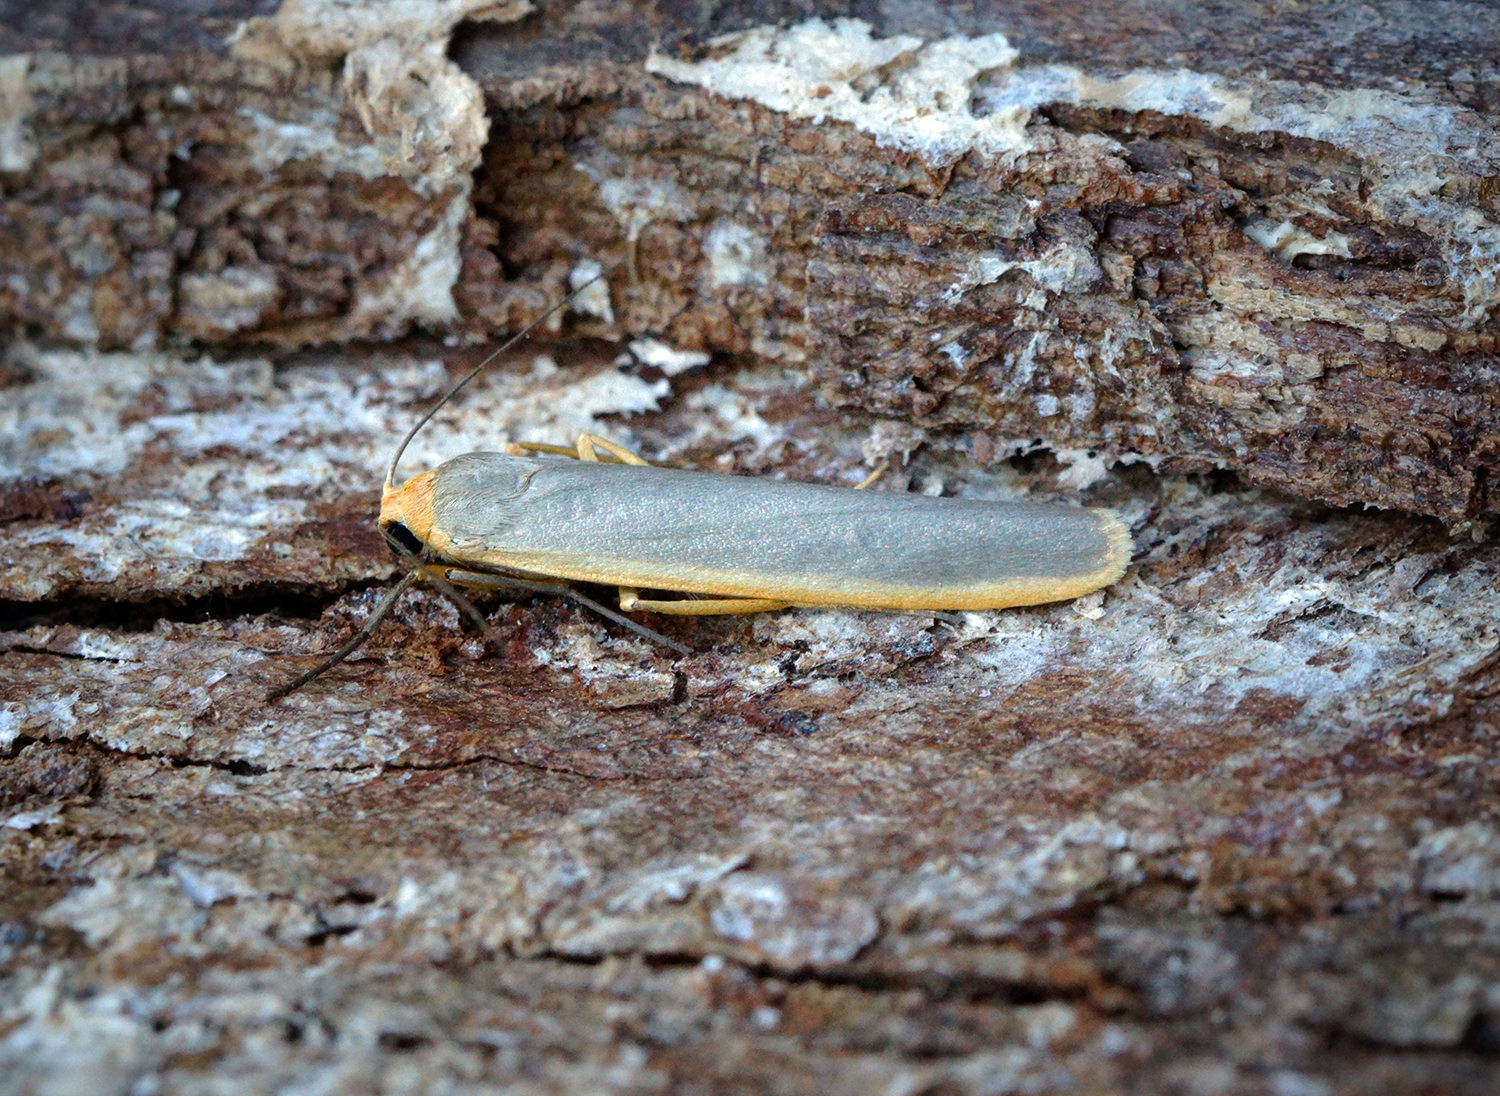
<point x="770" y="527"/>
<point x="479" y="494"/>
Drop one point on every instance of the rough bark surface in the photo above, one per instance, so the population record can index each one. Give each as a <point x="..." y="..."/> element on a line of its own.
<point x="1231" y="827"/>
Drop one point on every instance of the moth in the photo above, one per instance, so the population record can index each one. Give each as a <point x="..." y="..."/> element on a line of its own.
<point x="538" y="516"/>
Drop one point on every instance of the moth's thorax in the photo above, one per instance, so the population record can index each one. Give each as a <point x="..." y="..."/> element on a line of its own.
<point x="410" y="505"/>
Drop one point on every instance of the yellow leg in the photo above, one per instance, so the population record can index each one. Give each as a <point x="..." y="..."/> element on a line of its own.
<point x="590" y="444"/>
<point x="521" y="448"/>
<point x="480" y="581"/>
<point x="631" y="601"/>
<point x="587" y="449"/>
<point x="874" y="477"/>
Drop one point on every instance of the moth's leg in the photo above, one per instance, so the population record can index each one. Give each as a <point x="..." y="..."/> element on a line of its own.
<point x="874" y="477"/>
<point x="521" y="448"/>
<point x="590" y="444"/>
<point x="728" y="606"/>
<point x="631" y="601"/>
<point x="505" y="582"/>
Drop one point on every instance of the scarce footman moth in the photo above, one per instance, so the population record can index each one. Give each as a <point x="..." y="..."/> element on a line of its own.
<point x="730" y="544"/>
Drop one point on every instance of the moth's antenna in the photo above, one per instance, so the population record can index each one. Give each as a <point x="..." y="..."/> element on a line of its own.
<point x="382" y="607"/>
<point x="390" y="473"/>
<point x="420" y="571"/>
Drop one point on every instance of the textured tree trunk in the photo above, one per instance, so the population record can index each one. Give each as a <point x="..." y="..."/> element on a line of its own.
<point x="1230" y="826"/>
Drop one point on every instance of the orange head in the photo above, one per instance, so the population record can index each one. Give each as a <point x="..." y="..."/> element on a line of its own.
<point x="410" y="506"/>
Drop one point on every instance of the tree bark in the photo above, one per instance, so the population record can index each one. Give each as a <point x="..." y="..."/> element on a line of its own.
<point x="1229" y="826"/>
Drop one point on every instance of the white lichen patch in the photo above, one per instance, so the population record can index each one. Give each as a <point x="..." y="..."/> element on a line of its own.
<point x="69" y="419"/>
<point x="892" y="439"/>
<point x="1460" y="860"/>
<point x="30" y="820"/>
<point x="425" y="114"/>
<point x="637" y="200"/>
<point x="590" y="291"/>
<point x="1085" y="467"/>
<point x="646" y="905"/>
<point x="313" y="138"/>
<point x="420" y="286"/>
<point x="618" y="670"/>
<point x="58" y="1043"/>
<point x="1025" y="872"/>
<point x="907" y="94"/>
<point x="761" y="911"/>
<point x="236" y="298"/>
<point x="1288" y="240"/>
<point x="169" y="537"/>
<point x="17" y="145"/>
<point x="844" y="640"/>
<point x="1063" y="269"/>
<point x="668" y="359"/>
<point x="732" y="413"/>
<point x="1089" y="606"/>
<point x="1348" y="649"/>
<point x="557" y="407"/>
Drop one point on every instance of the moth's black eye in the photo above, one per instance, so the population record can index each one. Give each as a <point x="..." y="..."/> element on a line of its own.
<point x="404" y="537"/>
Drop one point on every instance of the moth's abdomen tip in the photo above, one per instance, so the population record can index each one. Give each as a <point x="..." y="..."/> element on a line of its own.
<point x="1119" y="546"/>
<point x="1082" y="565"/>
